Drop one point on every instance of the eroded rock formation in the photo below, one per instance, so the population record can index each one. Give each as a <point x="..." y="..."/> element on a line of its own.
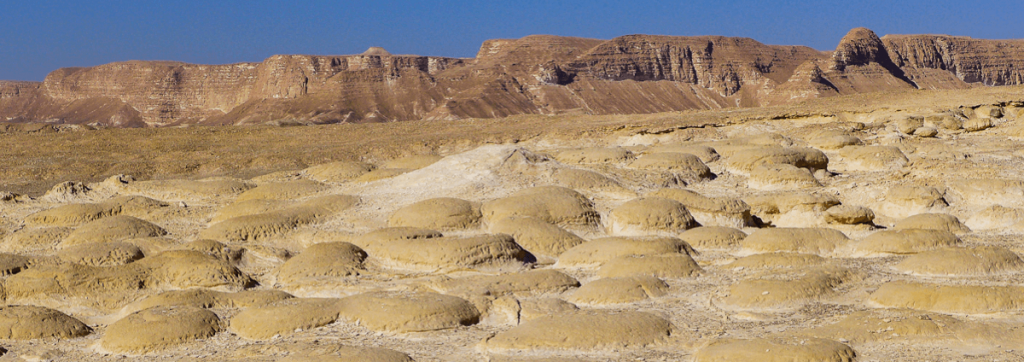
<point x="532" y="75"/>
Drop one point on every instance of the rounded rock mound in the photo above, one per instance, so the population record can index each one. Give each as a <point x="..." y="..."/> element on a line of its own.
<point x="834" y="140"/>
<point x="783" y="294"/>
<point x="599" y="251"/>
<point x="553" y="204"/>
<point x="528" y="283"/>
<point x="776" y="350"/>
<point x="873" y="158"/>
<point x="584" y="330"/>
<point x="35" y="239"/>
<point x="953" y="299"/>
<point x="849" y="215"/>
<point x="978" y="260"/>
<point x="705" y="153"/>
<point x="284" y="317"/>
<point x="710" y="211"/>
<point x="943" y="222"/>
<point x="112" y="229"/>
<point x="772" y="205"/>
<point x="437" y="214"/>
<point x="538" y="237"/>
<point x="481" y="251"/>
<point x="76" y="214"/>
<point x="713" y="237"/>
<point x="688" y="166"/>
<point x="660" y="266"/>
<point x="161" y="327"/>
<point x="180" y="269"/>
<point x="336" y="259"/>
<point x="101" y="254"/>
<point x="589" y="181"/>
<point x="205" y="298"/>
<point x="31" y="322"/>
<point x="69" y="215"/>
<point x="340" y="171"/>
<point x="743" y="161"/>
<point x="408" y="312"/>
<point x="273" y="223"/>
<point x="903" y="201"/>
<point x="818" y="241"/>
<point x="994" y="217"/>
<point x="906" y="241"/>
<point x="650" y="216"/>
<point x="619" y="290"/>
<point x="781" y="177"/>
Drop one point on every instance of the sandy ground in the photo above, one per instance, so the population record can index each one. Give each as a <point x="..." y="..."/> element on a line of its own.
<point x="877" y="227"/>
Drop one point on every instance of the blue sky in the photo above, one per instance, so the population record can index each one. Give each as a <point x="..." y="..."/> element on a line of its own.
<point x="38" y="36"/>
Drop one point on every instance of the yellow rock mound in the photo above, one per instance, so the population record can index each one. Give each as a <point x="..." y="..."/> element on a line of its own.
<point x="596" y="252"/>
<point x="661" y="266"/>
<point x="957" y="299"/>
<point x="31" y="322"/>
<point x="157" y="328"/>
<point x="284" y="317"/>
<point x="556" y="205"/>
<point x="649" y="216"/>
<point x="619" y="290"/>
<point x="438" y="214"/>
<point x="408" y="312"/>
<point x="818" y="241"/>
<point x="540" y="238"/>
<point x="776" y="350"/>
<point x="978" y="260"/>
<point x="584" y="330"/>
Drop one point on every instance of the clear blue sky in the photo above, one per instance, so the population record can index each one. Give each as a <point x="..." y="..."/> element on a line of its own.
<point x="38" y="36"/>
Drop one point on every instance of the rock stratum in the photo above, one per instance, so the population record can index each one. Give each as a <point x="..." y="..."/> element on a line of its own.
<point x="538" y="74"/>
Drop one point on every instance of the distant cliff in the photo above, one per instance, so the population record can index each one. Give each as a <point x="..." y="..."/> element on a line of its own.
<point x="533" y="75"/>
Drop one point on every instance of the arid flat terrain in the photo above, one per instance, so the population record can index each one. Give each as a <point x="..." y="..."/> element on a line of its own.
<point x="867" y="227"/>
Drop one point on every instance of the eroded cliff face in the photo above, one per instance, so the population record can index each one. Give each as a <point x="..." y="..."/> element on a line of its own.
<point x="539" y="74"/>
<point x="932" y="59"/>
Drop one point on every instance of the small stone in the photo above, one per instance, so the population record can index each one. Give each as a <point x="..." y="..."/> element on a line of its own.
<point x="909" y="124"/>
<point x="926" y="132"/>
<point x="977" y="124"/>
<point x="849" y="215"/>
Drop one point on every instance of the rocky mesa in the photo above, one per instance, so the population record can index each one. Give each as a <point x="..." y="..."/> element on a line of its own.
<point x="541" y="74"/>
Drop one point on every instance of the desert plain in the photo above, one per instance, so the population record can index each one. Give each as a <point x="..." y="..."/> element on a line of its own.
<point x="875" y="226"/>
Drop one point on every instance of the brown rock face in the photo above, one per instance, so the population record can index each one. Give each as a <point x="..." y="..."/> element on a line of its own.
<point x="534" y="75"/>
<point x="860" y="47"/>
<point x="933" y="58"/>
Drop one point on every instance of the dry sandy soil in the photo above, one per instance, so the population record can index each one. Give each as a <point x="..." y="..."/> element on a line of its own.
<point x="875" y="227"/>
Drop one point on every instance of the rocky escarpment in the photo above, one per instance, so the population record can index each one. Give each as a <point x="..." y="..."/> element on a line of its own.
<point x="168" y="93"/>
<point x="532" y="75"/>
<point x="932" y="58"/>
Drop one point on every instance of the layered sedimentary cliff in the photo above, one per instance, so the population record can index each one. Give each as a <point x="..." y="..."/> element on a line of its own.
<point x="987" y="62"/>
<point x="532" y="75"/>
